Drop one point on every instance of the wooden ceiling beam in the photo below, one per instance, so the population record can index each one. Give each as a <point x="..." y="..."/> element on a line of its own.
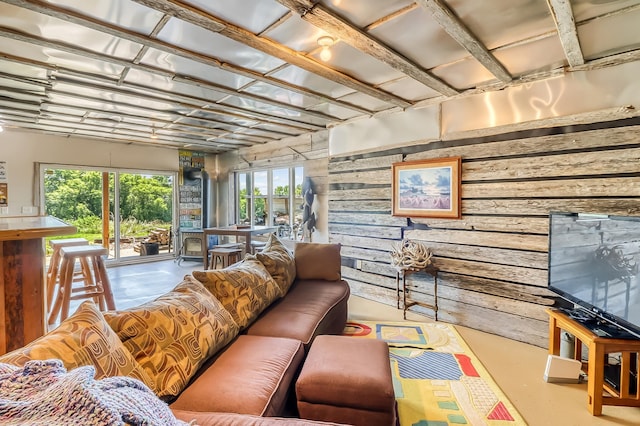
<point x="566" y="26"/>
<point x="460" y="33"/>
<point x="147" y="97"/>
<point x="325" y="19"/>
<point x="16" y="35"/>
<point x="209" y="22"/>
<point x="59" y="130"/>
<point x="70" y="16"/>
<point x="136" y="90"/>
<point x="168" y="125"/>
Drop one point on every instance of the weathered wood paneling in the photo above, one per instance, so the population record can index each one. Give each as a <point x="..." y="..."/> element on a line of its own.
<point x="493" y="261"/>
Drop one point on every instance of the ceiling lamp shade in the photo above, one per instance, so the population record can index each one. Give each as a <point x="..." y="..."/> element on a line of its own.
<point x="325" y="42"/>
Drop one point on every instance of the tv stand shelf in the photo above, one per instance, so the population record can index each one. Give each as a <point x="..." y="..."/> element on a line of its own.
<point x="626" y="393"/>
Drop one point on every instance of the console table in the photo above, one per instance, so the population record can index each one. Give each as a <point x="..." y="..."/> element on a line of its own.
<point x="401" y="276"/>
<point x="22" y="282"/>
<point x="599" y="347"/>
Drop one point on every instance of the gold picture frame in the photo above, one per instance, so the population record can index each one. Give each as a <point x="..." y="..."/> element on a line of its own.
<point x="427" y="188"/>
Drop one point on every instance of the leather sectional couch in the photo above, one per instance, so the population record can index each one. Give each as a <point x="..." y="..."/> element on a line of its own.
<point x="224" y="347"/>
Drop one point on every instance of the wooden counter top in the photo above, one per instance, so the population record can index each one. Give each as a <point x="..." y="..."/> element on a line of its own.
<point x="29" y="227"/>
<point x="22" y="277"/>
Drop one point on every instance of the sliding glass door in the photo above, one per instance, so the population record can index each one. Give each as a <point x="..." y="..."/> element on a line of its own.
<point x="129" y="212"/>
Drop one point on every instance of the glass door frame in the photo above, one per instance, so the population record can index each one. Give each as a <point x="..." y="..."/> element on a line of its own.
<point x="116" y="260"/>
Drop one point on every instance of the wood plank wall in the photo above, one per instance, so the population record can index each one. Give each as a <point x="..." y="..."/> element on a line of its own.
<point x="493" y="261"/>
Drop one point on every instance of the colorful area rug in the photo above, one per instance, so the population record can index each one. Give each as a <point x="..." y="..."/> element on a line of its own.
<point x="438" y="380"/>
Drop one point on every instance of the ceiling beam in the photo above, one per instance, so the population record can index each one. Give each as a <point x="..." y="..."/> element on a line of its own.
<point x="163" y="96"/>
<point x="460" y="33"/>
<point x="147" y="108"/>
<point x="323" y="18"/>
<point x="566" y="26"/>
<point x="48" y="113"/>
<point x="210" y="22"/>
<point x="66" y="131"/>
<point x="113" y="30"/>
<point x="27" y="38"/>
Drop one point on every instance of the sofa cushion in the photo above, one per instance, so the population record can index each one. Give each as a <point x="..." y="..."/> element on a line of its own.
<point x="311" y="307"/>
<point x="84" y="338"/>
<point x="253" y="375"/>
<point x="235" y="419"/>
<point x="173" y="335"/>
<point x="279" y="261"/>
<point x="315" y="261"/>
<point x="245" y="289"/>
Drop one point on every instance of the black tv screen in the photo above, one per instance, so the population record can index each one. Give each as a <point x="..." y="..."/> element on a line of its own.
<point x="594" y="261"/>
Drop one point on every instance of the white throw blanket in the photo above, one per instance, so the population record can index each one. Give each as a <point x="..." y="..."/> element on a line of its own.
<point x="44" y="393"/>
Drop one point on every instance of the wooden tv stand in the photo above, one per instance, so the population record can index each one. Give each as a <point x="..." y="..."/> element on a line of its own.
<point x="599" y="391"/>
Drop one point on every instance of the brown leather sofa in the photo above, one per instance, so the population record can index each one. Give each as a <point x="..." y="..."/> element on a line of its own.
<point x="251" y="381"/>
<point x="214" y="354"/>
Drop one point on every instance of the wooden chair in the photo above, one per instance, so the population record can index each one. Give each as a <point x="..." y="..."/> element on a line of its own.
<point x="96" y="286"/>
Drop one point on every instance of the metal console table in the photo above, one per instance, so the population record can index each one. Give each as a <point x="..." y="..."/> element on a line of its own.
<point x="401" y="276"/>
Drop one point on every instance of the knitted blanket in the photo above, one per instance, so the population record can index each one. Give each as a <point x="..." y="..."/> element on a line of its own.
<point x="44" y="393"/>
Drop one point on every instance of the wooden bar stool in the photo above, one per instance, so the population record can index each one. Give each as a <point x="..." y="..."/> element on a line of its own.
<point x="209" y="258"/>
<point x="54" y="265"/>
<point x="256" y="246"/>
<point x="96" y="286"/>
<point x="225" y="254"/>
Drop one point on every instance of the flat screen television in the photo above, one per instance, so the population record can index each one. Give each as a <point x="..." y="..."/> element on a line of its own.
<point x="594" y="260"/>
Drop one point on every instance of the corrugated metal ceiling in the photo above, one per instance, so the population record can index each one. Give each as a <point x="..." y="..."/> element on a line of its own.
<point x="215" y="76"/>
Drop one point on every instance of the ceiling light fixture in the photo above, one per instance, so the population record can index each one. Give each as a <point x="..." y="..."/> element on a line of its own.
<point x="326" y="42"/>
<point x="153" y="134"/>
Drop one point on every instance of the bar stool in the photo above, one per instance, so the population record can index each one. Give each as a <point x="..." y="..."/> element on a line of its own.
<point x="209" y="258"/>
<point x="54" y="265"/>
<point x="225" y="255"/>
<point x="256" y="246"/>
<point x="96" y="286"/>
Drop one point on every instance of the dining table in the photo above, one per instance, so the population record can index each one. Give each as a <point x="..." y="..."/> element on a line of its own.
<point x="238" y="231"/>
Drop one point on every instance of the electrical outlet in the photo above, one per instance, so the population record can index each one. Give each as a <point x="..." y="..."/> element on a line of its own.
<point x="358" y="264"/>
<point x="4" y="210"/>
<point x="28" y="210"/>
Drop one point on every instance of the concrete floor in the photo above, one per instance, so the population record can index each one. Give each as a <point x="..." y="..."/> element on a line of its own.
<point x="517" y="368"/>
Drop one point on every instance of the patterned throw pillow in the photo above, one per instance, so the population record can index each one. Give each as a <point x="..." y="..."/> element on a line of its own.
<point x="278" y="260"/>
<point x="84" y="338"/>
<point x="173" y="335"/>
<point x="245" y="289"/>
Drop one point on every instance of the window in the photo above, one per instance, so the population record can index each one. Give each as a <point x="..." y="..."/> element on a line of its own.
<point x="271" y="201"/>
<point x="116" y="208"/>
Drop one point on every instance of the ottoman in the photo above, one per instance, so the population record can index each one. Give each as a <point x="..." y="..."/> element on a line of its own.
<point x="347" y="380"/>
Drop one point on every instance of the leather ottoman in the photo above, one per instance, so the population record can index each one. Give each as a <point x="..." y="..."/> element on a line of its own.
<point x="347" y="380"/>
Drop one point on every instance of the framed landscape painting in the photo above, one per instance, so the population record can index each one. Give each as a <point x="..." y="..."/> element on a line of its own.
<point x="427" y="188"/>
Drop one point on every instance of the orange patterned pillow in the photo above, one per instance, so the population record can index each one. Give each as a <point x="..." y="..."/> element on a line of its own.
<point x="173" y="335"/>
<point x="279" y="261"/>
<point x="245" y="289"/>
<point x="84" y="338"/>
